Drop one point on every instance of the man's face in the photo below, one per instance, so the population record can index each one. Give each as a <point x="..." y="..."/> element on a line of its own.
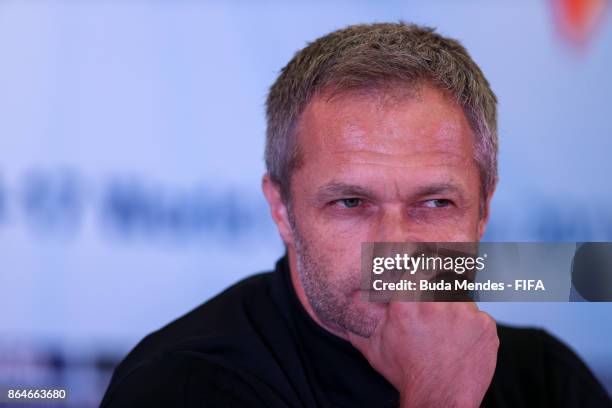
<point x="375" y="169"/>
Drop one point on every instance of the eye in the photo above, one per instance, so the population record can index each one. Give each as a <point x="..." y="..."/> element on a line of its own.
<point x="437" y="203"/>
<point x="351" y="202"/>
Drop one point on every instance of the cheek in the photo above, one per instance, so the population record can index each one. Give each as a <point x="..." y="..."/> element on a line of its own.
<point x="460" y="229"/>
<point x="338" y="237"/>
<point x="467" y="234"/>
<point x="336" y="244"/>
<point x="336" y="256"/>
<point x="345" y="234"/>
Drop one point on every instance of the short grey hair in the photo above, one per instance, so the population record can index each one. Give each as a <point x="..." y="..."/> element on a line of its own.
<point x="373" y="56"/>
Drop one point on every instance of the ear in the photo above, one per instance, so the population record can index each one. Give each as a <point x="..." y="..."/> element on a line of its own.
<point x="484" y="219"/>
<point x="278" y="209"/>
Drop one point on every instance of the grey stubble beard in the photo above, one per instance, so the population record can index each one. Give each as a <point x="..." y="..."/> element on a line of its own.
<point x="329" y="298"/>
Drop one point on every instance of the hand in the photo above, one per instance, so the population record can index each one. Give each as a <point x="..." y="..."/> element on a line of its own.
<point x="436" y="354"/>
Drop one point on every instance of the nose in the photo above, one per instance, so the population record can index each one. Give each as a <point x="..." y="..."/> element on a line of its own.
<point x="394" y="225"/>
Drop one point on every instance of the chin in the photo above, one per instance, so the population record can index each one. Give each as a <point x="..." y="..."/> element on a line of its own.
<point x="363" y="316"/>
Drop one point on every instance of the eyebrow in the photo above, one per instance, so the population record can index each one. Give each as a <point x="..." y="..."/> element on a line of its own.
<point x="438" y="188"/>
<point x="335" y="189"/>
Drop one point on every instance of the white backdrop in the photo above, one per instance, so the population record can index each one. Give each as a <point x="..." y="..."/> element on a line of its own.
<point x="131" y="144"/>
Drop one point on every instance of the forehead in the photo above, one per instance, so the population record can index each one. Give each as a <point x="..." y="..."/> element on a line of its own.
<point x="425" y="122"/>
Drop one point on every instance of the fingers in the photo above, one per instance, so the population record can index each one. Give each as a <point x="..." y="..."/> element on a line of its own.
<point x="415" y="309"/>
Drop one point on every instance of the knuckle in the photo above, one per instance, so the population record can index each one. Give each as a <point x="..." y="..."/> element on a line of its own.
<point x="468" y="307"/>
<point x="430" y="309"/>
<point x="488" y="325"/>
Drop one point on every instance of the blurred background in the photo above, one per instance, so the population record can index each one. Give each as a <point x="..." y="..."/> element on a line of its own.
<point x="131" y="145"/>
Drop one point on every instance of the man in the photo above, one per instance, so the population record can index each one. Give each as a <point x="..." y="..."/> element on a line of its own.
<point x="376" y="133"/>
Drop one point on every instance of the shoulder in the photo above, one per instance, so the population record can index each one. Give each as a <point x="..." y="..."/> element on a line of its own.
<point x="537" y="349"/>
<point x="538" y="366"/>
<point x="181" y="349"/>
<point x="180" y="379"/>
